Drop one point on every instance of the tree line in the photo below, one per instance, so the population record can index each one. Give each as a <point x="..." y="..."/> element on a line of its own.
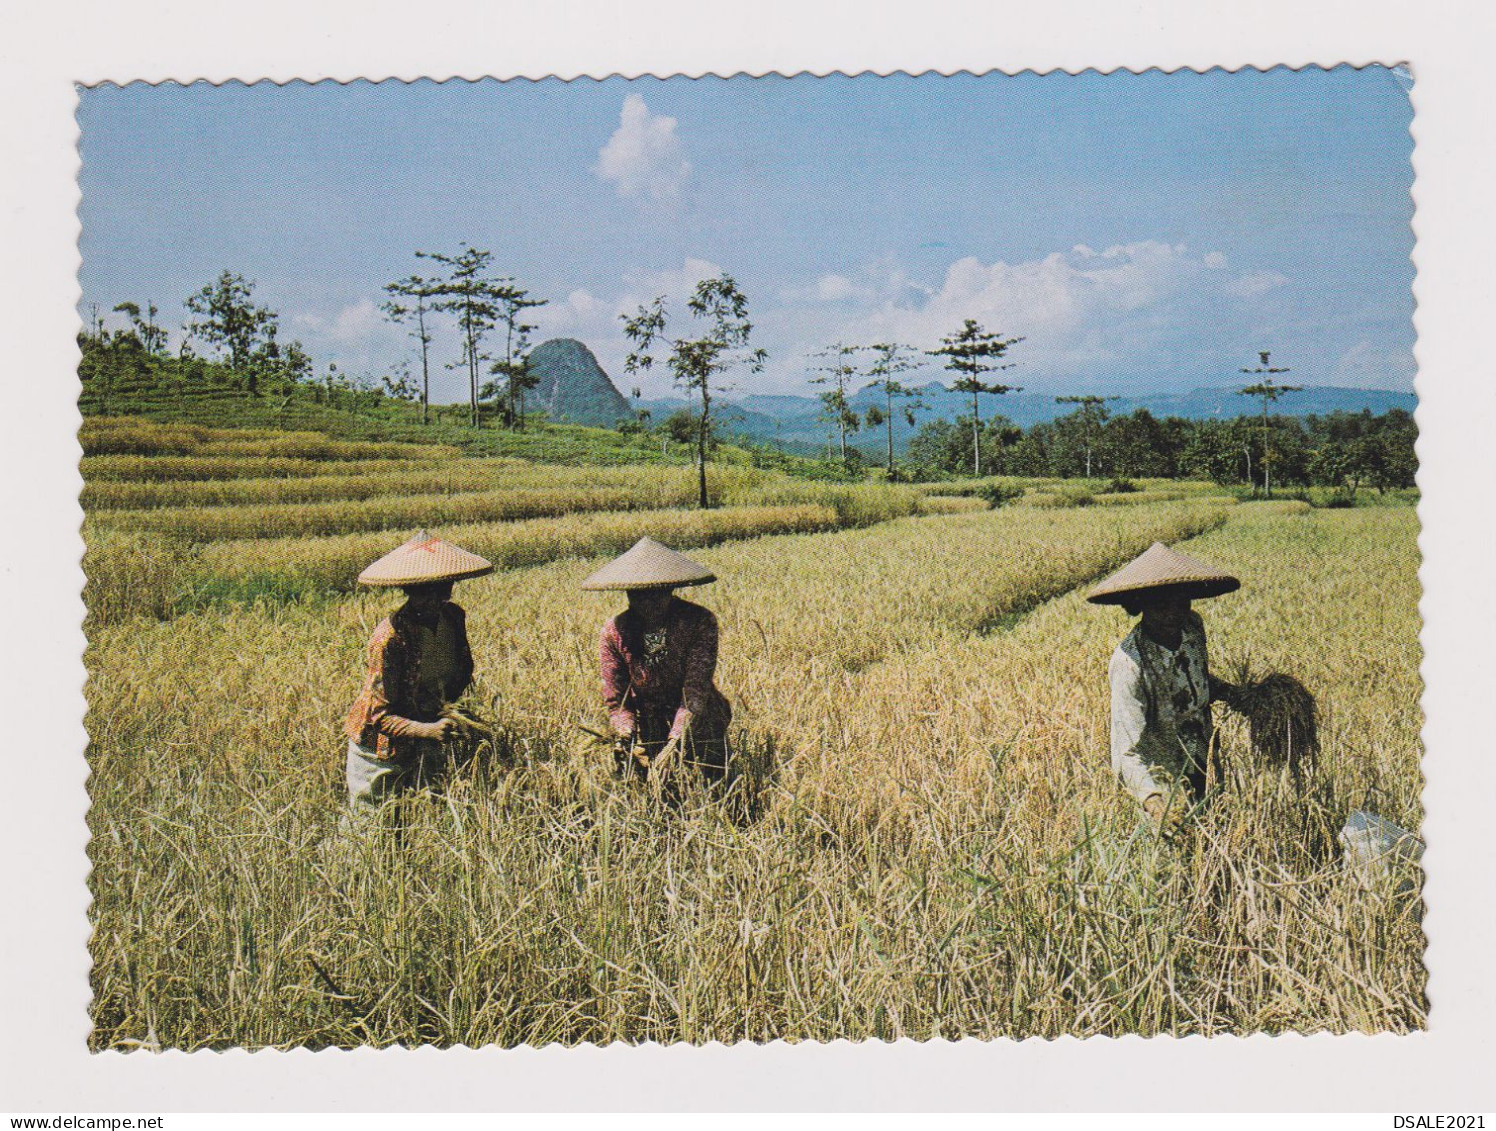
<point x="1344" y="450"/>
<point x="703" y="348"/>
<point x="971" y="352"/>
<point x="228" y="328"/>
<point x="1341" y="450"/>
<point x="242" y="336"/>
<point x="484" y="305"/>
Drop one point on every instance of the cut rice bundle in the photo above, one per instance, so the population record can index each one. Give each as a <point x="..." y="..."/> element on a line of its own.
<point x="1283" y="720"/>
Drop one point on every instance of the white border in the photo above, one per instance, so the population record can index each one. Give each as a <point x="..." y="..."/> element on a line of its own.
<point x="43" y="956"/>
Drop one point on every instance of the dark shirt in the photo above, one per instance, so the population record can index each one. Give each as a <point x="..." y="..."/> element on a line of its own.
<point x="666" y="673"/>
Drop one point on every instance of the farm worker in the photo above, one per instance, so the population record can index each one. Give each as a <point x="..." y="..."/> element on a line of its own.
<point x="1161" y="683"/>
<point x="659" y="659"/>
<point x="419" y="662"/>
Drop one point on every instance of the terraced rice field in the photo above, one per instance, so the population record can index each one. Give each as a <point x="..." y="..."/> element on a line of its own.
<point x="168" y="531"/>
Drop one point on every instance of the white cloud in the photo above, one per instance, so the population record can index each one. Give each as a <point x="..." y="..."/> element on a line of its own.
<point x="875" y="286"/>
<point x="357" y="327"/>
<point x="1086" y="315"/>
<point x="579" y="314"/>
<point x="1055" y="301"/>
<point x="644" y="159"/>
<point x="1366" y="366"/>
<point x="357" y="323"/>
<point x="838" y="288"/>
<point x="674" y="283"/>
<point x="357" y="337"/>
<point x="1090" y="318"/>
<point x="1255" y="283"/>
<point x="582" y="313"/>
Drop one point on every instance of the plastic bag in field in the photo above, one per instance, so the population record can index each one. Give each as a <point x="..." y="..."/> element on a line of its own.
<point x="1380" y="852"/>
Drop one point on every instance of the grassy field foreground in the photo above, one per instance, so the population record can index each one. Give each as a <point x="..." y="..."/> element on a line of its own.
<point x="924" y="840"/>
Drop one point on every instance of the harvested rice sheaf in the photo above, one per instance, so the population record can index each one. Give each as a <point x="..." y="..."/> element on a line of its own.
<point x="1283" y="720"/>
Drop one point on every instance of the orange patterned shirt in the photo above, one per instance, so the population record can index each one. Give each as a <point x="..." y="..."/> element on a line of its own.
<point x="395" y="694"/>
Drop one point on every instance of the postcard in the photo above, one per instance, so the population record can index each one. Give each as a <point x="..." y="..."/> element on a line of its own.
<point x="751" y="559"/>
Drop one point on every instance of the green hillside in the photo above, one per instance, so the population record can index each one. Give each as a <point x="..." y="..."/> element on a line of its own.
<point x="118" y="379"/>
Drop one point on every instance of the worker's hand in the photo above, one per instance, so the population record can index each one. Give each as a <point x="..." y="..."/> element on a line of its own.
<point x="667" y="759"/>
<point x="440" y="730"/>
<point x="664" y="765"/>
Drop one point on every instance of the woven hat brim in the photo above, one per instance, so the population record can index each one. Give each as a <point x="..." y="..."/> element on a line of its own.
<point x="1191" y="589"/>
<point x="422" y="579"/>
<point x="601" y="586"/>
<point x="424" y="560"/>
<point x="649" y="565"/>
<point x="1158" y="570"/>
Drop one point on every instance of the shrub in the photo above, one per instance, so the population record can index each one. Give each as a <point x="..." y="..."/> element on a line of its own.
<point x="996" y="493"/>
<point x="1076" y="497"/>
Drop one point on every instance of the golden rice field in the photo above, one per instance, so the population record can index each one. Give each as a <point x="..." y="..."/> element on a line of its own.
<point x="141" y="574"/>
<point x="145" y="482"/>
<point x="390" y="512"/>
<point x="148" y="475"/>
<point x="104" y="435"/>
<point x="159" y="543"/>
<point x="431" y="503"/>
<point x="923" y="838"/>
<point x="144" y="491"/>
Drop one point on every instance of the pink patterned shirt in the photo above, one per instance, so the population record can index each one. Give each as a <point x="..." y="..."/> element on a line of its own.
<point x="661" y="674"/>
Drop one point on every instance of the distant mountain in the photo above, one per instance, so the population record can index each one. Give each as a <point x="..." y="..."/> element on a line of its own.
<point x="573" y="387"/>
<point x="1197" y="404"/>
<point x="740" y="418"/>
<point x="794" y="422"/>
<point x="1316" y="400"/>
<point x="781" y="407"/>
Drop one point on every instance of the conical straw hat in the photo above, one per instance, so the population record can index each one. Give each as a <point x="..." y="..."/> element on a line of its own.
<point x="649" y="565"/>
<point x="1161" y="568"/>
<point x="423" y="560"/>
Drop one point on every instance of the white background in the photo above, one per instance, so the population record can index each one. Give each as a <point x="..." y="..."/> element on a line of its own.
<point x="44" y="48"/>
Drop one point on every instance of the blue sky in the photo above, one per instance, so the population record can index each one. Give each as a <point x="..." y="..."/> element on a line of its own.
<point x="1141" y="232"/>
